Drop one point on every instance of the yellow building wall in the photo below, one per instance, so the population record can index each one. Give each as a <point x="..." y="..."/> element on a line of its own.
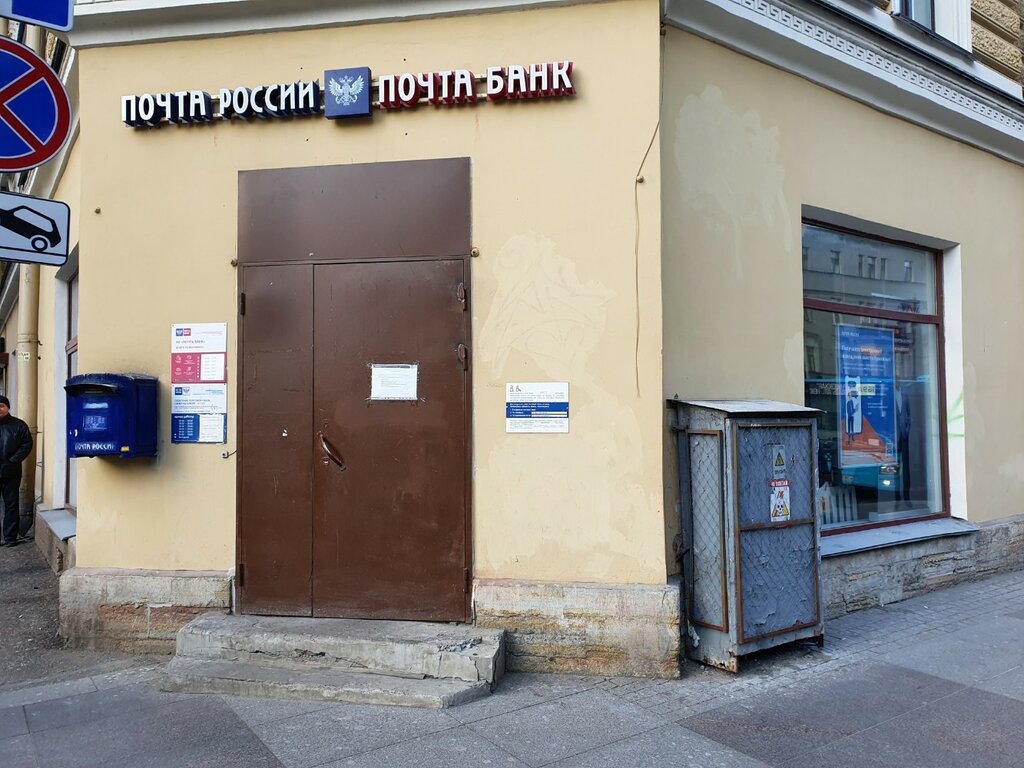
<point x="52" y="333"/>
<point x="69" y="190"/>
<point x="566" y="287"/>
<point x="744" y="147"/>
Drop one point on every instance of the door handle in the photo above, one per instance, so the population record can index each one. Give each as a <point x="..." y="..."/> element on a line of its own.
<point x="330" y="452"/>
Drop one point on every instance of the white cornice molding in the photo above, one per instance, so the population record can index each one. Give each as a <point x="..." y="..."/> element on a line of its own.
<point x="123" y="22"/>
<point x="815" y="43"/>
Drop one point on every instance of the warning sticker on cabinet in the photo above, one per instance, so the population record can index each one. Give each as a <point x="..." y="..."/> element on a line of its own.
<point x="777" y="456"/>
<point x="780" y="501"/>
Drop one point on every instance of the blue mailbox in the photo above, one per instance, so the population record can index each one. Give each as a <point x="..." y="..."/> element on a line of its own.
<point x="112" y="414"/>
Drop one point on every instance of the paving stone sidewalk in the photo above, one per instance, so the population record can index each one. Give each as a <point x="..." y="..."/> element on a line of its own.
<point x="933" y="681"/>
<point x="30" y="650"/>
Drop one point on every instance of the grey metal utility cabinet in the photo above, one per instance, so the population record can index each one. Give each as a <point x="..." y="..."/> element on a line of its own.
<point x="748" y="479"/>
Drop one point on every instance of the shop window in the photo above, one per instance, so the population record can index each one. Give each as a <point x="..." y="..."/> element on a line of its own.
<point x="872" y="357"/>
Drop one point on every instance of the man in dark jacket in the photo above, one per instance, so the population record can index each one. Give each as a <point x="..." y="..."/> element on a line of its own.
<point x="15" y="446"/>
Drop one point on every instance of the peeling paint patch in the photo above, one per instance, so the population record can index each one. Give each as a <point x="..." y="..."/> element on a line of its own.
<point x="1013" y="468"/>
<point x="542" y="310"/>
<point x="728" y="163"/>
<point x="545" y="321"/>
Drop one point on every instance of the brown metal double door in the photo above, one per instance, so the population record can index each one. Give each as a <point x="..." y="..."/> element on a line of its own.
<point x="350" y="505"/>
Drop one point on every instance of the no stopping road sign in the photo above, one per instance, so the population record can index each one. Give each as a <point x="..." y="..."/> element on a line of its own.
<point x="35" y="113"/>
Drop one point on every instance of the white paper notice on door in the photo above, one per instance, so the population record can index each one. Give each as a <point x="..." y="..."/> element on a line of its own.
<point x="395" y="381"/>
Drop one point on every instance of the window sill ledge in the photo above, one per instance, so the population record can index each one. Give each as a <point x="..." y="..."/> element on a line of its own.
<point x="892" y="536"/>
<point x="63" y="524"/>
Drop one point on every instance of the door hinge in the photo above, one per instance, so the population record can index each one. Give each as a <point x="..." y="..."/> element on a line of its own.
<point x="462" y="295"/>
<point x="466" y="581"/>
<point x="240" y="575"/>
<point x="462" y="351"/>
<point x="241" y="303"/>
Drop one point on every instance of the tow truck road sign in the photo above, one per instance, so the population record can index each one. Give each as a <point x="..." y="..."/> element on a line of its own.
<point x="55" y="14"/>
<point x="33" y="230"/>
<point x="35" y="113"/>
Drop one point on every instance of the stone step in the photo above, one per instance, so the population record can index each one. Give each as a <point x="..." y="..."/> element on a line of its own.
<point x="236" y="679"/>
<point x="395" y="648"/>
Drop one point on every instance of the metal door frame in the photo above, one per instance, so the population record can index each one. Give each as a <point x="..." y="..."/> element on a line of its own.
<point x="468" y="415"/>
<point x="279" y="210"/>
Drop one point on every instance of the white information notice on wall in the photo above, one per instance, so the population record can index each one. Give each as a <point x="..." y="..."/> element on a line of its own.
<point x="199" y="337"/>
<point x="394" y="381"/>
<point x="537" y="407"/>
<point x="199" y="398"/>
<point x="199" y="390"/>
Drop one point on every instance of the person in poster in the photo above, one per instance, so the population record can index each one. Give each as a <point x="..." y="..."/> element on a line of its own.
<point x="852" y="407"/>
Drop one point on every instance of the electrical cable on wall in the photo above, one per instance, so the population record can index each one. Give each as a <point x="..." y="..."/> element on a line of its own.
<point x="638" y="180"/>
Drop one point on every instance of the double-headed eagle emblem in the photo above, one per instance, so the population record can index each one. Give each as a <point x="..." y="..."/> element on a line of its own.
<point x="347" y="90"/>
